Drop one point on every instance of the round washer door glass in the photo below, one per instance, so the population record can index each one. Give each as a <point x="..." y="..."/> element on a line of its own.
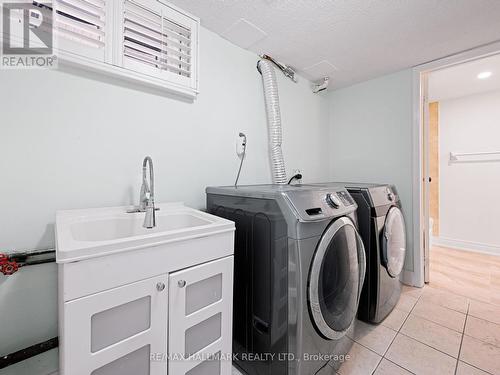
<point x="336" y="277"/>
<point x="394" y="242"/>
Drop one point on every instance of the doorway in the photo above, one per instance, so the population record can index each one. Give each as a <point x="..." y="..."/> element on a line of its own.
<point x="460" y="161"/>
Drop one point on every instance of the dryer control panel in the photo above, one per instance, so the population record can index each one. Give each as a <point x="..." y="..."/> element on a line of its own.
<point x="320" y="203"/>
<point x="345" y="197"/>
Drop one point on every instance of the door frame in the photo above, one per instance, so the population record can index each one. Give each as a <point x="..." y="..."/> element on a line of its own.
<point x="420" y="162"/>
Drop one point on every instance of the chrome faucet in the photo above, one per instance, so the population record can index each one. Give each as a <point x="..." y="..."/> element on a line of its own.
<point x="147" y="203"/>
<point x="147" y="196"/>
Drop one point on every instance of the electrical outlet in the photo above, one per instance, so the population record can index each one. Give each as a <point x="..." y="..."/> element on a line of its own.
<point x="241" y="145"/>
<point x="296" y="172"/>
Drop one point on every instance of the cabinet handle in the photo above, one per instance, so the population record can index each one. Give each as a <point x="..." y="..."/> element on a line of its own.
<point x="160" y="287"/>
<point x="181" y="283"/>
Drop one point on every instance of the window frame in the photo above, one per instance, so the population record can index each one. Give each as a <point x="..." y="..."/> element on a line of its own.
<point x="73" y="55"/>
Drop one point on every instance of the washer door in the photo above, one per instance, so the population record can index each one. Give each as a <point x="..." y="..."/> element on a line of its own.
<point x="336" y="278"/>
<point x="394" y="242"/>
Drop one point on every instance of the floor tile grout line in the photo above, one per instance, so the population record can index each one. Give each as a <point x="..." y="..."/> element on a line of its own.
<point x="366" y="347"/>
<point x="378" y="364"/>
<point x="371" y="350"/>
<point x="466" y="296"/>
<point x="397" y="333"/>
<point x="444" y="307"/>
<point x="483" y="341"/>
<point x="408" y="314"/>
<point x="394" y="363"/>
<point x="462" y="338"/>
<point x="465" y="326"/>
<point x="429" y="346"/>
<point x="443" y="291"/>
<point x="485" y="320"/>
<point x="477" y="368"/>
<point x="432" y="321"/>
<point x="475" y="338"/>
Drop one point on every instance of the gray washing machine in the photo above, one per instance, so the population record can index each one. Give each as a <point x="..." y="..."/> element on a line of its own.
<point x="299" y="270"/>
<point x="382" y="227"/>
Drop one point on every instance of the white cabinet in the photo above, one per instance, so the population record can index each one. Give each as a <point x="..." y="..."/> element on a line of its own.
<point x="200" y="319"/>
<point x="123" y="331"/>
<point x="117" y="331"/>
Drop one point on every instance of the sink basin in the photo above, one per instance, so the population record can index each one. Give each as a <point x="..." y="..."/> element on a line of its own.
<point x="83" y="234"/>
<point x="131" y="226"/>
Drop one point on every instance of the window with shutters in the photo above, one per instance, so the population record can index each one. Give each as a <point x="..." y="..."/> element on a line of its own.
<point x="139" y="40"/>
<point x="83" y="27"/>
<point x="159" y="41"/>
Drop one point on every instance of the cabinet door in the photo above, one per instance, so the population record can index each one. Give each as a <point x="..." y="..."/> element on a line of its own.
<point x="121" y="331"/>
<point x="200" y="319"/>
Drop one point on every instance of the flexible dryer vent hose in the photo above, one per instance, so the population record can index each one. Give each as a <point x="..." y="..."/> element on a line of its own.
<point x="273" y="121"/>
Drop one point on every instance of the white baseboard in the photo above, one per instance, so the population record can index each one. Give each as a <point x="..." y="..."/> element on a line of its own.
<point x="475" y="247"/>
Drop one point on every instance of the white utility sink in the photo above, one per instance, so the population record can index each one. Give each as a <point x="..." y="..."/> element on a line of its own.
<point x="83" y="234"/>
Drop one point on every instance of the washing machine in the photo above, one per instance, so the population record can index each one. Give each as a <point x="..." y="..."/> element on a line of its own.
<point x="382" y="227"/>
<point x="298" y="275"/>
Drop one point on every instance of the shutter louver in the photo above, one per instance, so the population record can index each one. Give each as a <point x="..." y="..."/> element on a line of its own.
<point x="151" y="38"/>
<point x="82" y="21"/>
<point x="148" y="41"/>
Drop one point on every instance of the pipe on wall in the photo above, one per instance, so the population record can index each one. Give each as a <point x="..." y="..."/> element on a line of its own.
<point x="11" y="262"/>
<point x="273" y="121"/>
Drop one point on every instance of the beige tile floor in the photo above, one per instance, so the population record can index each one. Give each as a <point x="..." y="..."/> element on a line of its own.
<point x="451" y="326"/>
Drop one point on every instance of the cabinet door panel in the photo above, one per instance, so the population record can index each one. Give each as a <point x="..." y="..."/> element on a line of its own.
<point x="135" y="363"/>
<point x="200" y="324"/>
<point x="111" y="331"/>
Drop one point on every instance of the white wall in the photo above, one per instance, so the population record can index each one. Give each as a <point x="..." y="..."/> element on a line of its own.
<point x="371" y="137"/>
<point x="75" y="140"/>
<point x="71" y="142"/>
<point x="28" y="308"/>
<point x="469" y="204"/>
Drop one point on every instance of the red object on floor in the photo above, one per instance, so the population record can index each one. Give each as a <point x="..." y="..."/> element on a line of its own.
<point x="7" y="267"/>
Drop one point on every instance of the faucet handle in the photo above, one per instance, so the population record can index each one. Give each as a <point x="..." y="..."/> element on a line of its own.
<point x="144" y="194"/>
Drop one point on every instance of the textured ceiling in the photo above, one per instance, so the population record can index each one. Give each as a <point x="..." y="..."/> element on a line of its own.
<point x="461" y="80"/>
<point x="351" y="40"/>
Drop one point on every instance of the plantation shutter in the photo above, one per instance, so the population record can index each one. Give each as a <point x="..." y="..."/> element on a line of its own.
<point x="146" y="41"/>
<point x="82" y="27"/>
<point x="158" y="41"/>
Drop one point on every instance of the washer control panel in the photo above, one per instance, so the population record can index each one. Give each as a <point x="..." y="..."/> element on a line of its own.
<point x="332" y="200"/>
<point x="317" y="204"/>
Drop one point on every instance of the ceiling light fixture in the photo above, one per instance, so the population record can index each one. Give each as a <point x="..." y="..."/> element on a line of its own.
<point x="484" y="75"/>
